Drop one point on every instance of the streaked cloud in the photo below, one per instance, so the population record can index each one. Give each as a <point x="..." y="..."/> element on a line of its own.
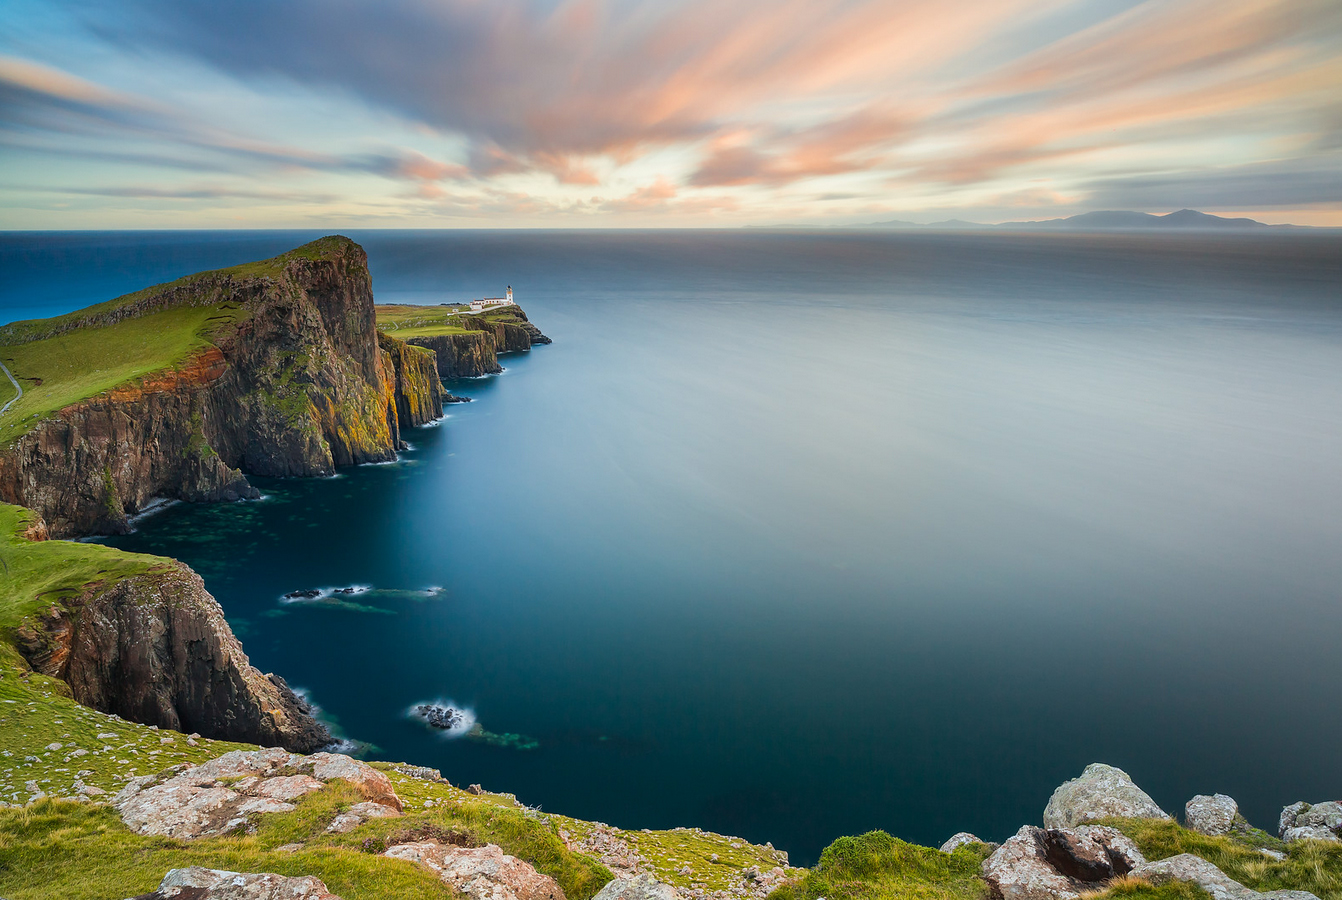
<point x="683" y="111"/>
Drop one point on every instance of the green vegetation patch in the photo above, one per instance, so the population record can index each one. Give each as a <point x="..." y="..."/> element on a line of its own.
<point x="876" y="866"/>
<point x="405" y="321"/>
<point x="1313" y="866"/>
<point x="36" y="574"/>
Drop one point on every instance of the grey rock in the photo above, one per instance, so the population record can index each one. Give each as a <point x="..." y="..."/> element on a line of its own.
<point x="217" y="884"/>
<point x="1059" y="863"/>
<point x="1195" y="869"/>
<point x="640" y="887"/>
<point x="1311" y="821"/>
<point x="1019" y="870"/>
<point x="1211" y="815"/>
<point x="960" y="839"/>
<point x="481" y="873"/>
<point x="1101" y="791"/>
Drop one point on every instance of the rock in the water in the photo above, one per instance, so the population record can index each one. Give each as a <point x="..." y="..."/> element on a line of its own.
<point x="481" y="873"/>
<point x="224" y="794"/>
<point x="197" y="883"/>
<point x="1311" y="821"/>
<point x="440" y="716"/>
<point x="308" y="594"/>
<point x="1211" y="815"/>
<point x="960" y="839"/>
<point x="1195" y="869"/>
<point x="640" y="887"/>
<point x="1100" y="792"/>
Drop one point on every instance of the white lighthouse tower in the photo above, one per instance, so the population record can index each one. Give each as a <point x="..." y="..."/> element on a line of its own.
<point x="510" y="293"/>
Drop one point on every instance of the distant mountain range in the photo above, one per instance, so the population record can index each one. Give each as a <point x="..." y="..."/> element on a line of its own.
<point x="1106" y="220"/>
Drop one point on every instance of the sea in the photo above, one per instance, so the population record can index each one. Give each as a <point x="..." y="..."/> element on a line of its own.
<point x="792" y="535"/>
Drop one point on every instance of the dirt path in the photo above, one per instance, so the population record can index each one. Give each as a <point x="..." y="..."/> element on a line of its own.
<point x="18" y="387"/>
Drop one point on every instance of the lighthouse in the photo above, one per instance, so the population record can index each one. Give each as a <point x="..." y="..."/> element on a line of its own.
<point x="510" y="293"/>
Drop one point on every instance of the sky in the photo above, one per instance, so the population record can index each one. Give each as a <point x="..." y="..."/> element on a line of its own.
<point x="670" y="113"/>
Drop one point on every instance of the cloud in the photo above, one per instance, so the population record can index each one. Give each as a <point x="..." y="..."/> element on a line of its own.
<point x="1282" y="184"/>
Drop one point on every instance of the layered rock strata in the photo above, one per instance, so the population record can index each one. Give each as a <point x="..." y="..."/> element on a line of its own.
<point x="295" y="384"/>
<point x="155" y="648"/>
<point x="476" y="353"/>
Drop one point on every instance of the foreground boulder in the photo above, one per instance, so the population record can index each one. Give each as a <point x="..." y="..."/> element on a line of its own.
<point x="1212" y="815"/>
<point x="1100" y="792"/>
<point x="481" y="873"/>
<point x="225" y="794"/>
<point x="1058" y="864"/>
<point x="1196" y="870"/>
<point x="640" y="887"/>
<point x="197" y="883"/>
<point x="1311" y="821"/>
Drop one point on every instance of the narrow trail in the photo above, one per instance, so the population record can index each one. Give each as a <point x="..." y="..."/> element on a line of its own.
<point x="18" y="387"/>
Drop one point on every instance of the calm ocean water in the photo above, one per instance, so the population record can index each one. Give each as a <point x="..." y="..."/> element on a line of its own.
<point x="798" y="535"/>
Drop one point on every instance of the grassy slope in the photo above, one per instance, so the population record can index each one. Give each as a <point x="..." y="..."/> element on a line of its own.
<point x="86" y="360"/>
<point x="405" y="321"/>
<point x="874" y="866"/>
<point x="418" y="321"/>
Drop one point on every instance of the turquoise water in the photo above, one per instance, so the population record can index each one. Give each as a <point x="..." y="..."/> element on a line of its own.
<point x="795" y="535"/>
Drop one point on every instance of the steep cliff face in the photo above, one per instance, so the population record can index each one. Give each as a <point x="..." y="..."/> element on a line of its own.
<point x="418" y="391"/>
<point x="462" y="355"/>
<point x="476" y="353"/>
<point x="154" y="648"/>
<point x="293" y="385"/>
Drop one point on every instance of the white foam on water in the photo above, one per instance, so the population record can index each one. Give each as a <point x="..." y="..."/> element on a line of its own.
<point x="461" y="729"/>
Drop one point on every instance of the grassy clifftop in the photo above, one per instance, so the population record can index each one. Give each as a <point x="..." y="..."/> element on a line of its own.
<point x="407" y="321"/>
<point x="66" y="359"/>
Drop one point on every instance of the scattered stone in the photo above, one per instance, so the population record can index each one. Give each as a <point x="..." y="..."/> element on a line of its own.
<point x="422" y="773"/>
<point x="225" y="793"/>
<point x="1195" y="869"/>
<point x="1101" y="791"/>
<point x="288" y="848"/>
<point x="308" y="594"/>
<point x="640" y="887"/>
<point x="475" y="789"/>
<point x="481" y="873"/>
<point x="197" y="883"/>
<point x="963" y="839"/>
<point x="53" y="746"/>
<point x="1211" y="815"/>
<point x="1311" y="821"/>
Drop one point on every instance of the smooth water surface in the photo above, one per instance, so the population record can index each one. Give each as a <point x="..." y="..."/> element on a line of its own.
<point x="798" y="535"/>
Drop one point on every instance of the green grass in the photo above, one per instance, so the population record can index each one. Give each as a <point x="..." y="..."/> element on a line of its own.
<point x="876" y="866"/>
<point x="419" y="321"/>
<point x="34" y="575"/>
<point x="76" y="356"/>
<point x="82" y="363"/>
<point x="1311" y="866"/>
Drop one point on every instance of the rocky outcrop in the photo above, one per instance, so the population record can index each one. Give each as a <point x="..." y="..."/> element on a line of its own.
<point x="963" y="839"/>
<point x="476" y="353"/>
<point x="481" y="873"/>
<point x="154" y="648"/>
<point x="1058" y="864"/>
<point x="228" y="793"/>
<point x="417" y="391"/>
<point x="462" y="355"/>
<point x="1100" y="792"/>
<point x="197" y="883"/>
<point x="294" y="382"/>
<point x="640" y="887"/>
<point x="1311" y="821"/>
<point x="1196" y="870"/>
<point x="1212" y="815"/>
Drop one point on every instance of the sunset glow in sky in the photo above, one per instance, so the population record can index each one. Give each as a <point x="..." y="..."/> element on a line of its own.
<point x="483" y="113"/>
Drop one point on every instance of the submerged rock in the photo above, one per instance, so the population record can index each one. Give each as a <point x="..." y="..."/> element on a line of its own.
<point x="481" y="873"/>
<point x="197" y="883"/>
<point x="1101" y="791"/>
<point x="440" y="716"/>
<point x="1211" y="815"/>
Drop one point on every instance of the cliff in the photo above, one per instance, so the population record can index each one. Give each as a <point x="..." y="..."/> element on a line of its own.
<point x="277" y="371"/>
<point x="417" y="390"/>
<point x="139" y="636"/>
<point x="467" y="345"/>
